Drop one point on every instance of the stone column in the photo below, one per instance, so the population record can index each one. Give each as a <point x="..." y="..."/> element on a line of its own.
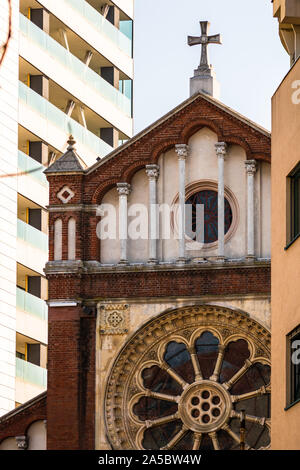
<point x="182" y="152"/>
<point x="124" y="191"/>
<point x="152" y="173"/>
<point x="221" y="149"/>
<point x="251" y="170"/>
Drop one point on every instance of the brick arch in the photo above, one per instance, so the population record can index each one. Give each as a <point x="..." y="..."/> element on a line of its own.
<point x="236" y="140"/>
<point x="130" y="171"/>
<point x="17" y="422"/>
<point x="155" y="153"/>
<point x="266" y="157"/>
<point x="37" y="420"/>
<point x="194" y="126"/>
<point x="103" y="189"/>
<point x="163" y="147"/>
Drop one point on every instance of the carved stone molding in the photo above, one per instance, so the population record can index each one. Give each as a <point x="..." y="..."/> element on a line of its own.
<point x="251" y="167"/>
<point x="123" y="189"/>
<point x="182" y="151"/>
<point x="22" y="442"/>
<point x="152" y="171"/>
<point x="114" y="319"/>
<point x="221" y="149"/>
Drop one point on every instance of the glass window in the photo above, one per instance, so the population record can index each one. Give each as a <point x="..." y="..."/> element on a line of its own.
<point x="295" y="202"/>
<point x="209" y="199"/>
<point x="293" y="343"/>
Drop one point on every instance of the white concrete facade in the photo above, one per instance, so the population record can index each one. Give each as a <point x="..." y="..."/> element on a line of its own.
<point x="27" y="116"/>
<point x="8" y="206"/>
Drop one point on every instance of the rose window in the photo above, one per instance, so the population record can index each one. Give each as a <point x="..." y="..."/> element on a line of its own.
<point x="185" y="385"/>
<point x="209" y="199"/>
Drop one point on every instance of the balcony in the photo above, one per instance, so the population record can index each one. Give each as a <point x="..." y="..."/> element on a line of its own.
<point x="53" y="126"/>
<point x="73" y="75"/>
<point x="93" y="28"/>
<point x="102" y="25"/>
<point x="30" y="380"/>
<point x="32" y="236"/>
<point x="126" y="6"/>
<point x="287" y="11"/>
<point x="32" y="247"/>
<point x="31" y="373"/>
<point x="31" y="304"/>
<point x="32" y="182"/>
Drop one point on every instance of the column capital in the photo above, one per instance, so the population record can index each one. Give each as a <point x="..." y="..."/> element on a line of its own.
<point x="22" y="442"/>
<point x="123" y="189"/>
<point x="251" y="167"/>
<point x="182" y="151"/>
<point x="152" y="171"/>
<point x="221" y="149"/>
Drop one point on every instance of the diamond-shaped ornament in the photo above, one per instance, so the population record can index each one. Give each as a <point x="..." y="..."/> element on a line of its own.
<point x="65" y="194"/>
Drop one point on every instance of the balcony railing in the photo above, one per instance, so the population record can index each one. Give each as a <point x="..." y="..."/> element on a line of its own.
<point x="31" y="167"/>
<point x="32" y="236"/>
<point x="31" y="373"/>
<point x="74" y="65"/>
<point x="102" y="25"/>
<point x="31" y="304"/>
<point x="63" y="121"/>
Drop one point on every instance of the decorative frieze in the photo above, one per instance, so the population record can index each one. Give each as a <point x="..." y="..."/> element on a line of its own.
<point x="114" y="319"/>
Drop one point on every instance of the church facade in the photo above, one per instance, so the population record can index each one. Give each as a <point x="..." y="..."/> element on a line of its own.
<point x="158" y="338"/>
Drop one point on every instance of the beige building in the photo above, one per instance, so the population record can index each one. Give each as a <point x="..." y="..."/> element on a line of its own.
<point x="68" y="69"/>
<point x="285" y="238"/>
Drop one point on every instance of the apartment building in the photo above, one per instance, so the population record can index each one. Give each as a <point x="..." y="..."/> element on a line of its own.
<point x="286" y="237"/>
<point x="68" y="70"/>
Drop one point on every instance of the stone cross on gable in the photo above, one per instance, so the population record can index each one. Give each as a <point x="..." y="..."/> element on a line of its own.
<point x="204" y="40"/>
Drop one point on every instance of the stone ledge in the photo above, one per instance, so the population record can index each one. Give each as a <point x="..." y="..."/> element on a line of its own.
<point x="93" y="267"/>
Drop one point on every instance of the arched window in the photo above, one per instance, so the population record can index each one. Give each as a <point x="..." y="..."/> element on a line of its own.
<point x="58" y="240"/>
<point x="71" y="239"/>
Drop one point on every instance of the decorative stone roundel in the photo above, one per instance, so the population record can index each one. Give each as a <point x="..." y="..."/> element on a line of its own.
<point x="182" y="381"/>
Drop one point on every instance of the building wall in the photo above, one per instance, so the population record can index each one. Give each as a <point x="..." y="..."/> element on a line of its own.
<point x="26" y="117"/>
<point x="8" y="206"/>
<point x="78" y="303"/>
<point x="285" y="264"/>
<point x="201" y="167"/>
<point x="140" y="312"/>
<point x="29" y="421"/>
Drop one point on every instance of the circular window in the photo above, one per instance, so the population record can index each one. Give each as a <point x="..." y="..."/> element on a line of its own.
<point x="183" y="380"/>
<point x="209" y="199"/>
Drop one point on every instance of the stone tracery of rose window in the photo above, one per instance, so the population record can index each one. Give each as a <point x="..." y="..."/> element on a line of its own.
<point x="185" y="388"/>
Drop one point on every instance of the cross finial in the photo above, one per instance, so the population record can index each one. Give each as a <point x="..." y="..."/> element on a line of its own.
<point x="204" y="40"/>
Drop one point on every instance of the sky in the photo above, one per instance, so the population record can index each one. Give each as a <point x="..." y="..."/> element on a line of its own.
<point x="249" y="65"/>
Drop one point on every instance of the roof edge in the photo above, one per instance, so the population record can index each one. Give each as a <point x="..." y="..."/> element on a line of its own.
<point x="173" y="111"/>
<point x="23" y="407"/>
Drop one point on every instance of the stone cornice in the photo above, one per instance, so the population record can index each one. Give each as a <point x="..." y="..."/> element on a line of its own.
<point x="94" y="267"/>
<point x="72" y="208"/>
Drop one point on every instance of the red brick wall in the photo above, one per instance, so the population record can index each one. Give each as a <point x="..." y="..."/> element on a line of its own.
<point x="225" y="281"/>
<point x="17" y="422"/>
<point x="71" y="379"/>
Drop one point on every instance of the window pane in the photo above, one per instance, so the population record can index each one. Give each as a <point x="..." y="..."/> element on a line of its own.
<point x="178" y="357"/>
